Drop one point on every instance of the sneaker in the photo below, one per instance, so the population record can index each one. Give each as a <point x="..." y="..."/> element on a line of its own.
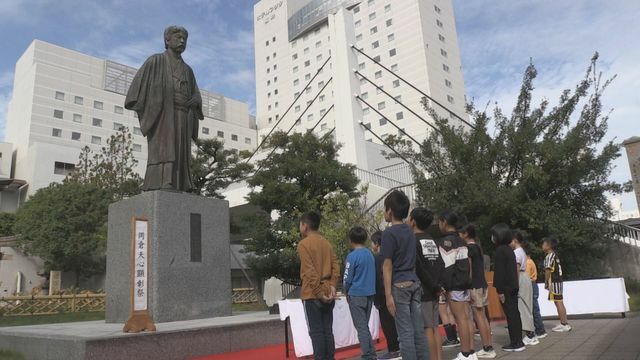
<point x="462" y="357"/>
<point x="450" y="343"/>
<point x="391" y="356"/>
<point x="484" y="354"/>
<point x="514" y="348"/>
<point x="530" y="341"/>
<point x="542" y="336"/>
<point x="562" y="328"/>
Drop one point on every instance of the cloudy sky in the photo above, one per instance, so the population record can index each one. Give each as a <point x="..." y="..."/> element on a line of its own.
<point x="497" y="40"/>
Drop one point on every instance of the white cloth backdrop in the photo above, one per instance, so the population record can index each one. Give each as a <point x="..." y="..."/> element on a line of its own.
<point x="588" y="297"/>
<point x="343" y="331"/>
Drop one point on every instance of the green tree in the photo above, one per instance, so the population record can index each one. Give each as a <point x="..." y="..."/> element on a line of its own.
<point x="113" y="168"/>
<point x="7" y="221"/>
<point x="214" y="168"/>
<point x="302" y="170"/>
<point x="544" y="170"/>
<point x="65" y="225"/>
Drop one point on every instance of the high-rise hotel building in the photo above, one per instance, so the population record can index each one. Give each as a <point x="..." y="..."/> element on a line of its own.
<point x="64" y="100"/>
<point x="416" y="39"/>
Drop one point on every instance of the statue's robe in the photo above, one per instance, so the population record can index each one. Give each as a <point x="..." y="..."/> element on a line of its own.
<point x="158" y="94"/>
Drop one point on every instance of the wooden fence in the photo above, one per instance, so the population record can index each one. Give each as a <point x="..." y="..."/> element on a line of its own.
<point x="55" y="304"/>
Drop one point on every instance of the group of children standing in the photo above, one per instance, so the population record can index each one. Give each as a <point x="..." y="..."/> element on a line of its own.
<point x="415" y="281"/>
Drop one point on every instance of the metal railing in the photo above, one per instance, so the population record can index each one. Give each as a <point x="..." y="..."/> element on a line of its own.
<point x="378" y="205"/>
<point x="244" y="296"/>
<point x="51" y="304"/>
<point x="369" y="177"/>
<point x="624" y="234"/>
<point x="400" y="171"/>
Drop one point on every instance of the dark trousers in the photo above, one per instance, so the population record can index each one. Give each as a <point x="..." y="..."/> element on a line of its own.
<point x="510" y="307"/>
<point x="389" y="328"/>
<point x="320" y="322"/>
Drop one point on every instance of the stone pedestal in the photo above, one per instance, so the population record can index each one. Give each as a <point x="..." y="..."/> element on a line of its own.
<point x="189" y="267"/>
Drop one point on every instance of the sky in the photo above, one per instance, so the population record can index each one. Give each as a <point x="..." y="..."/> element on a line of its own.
<point x="497" y="38"/>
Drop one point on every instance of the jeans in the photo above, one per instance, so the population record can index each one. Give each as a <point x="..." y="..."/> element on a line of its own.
<point x="510" y="307"/>
<point x="537" y="318"/>
<point x="409" y="322"/>
<point x="320" y="320"/>
<point x="360" y="308"/>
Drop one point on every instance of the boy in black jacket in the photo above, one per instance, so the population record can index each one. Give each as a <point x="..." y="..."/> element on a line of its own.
<point x="380" y="302"/>
<point x="505" y="280"/>
<point x="429" y="266"/>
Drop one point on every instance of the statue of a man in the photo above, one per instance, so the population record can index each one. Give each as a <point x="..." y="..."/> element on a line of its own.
<point x="166" y="98"/>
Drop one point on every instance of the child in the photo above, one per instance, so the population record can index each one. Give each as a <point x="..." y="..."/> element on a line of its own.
<point x="360" y="286"/>
<point x="429" y="267"/>
<point x="479" y="292"/>
<point x="541" y="333"/>
<point x="525" y="291"/>
<point x="401" y="285"/>
<point x="553" y="281"/>
<point x="505" y="280"/>
<point x="456" y="280"/>
<point x="386" y="320"/>
<point x="319" y="273"/>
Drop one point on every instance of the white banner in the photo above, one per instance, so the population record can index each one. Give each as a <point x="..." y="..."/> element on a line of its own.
<point x="588" y="297"/>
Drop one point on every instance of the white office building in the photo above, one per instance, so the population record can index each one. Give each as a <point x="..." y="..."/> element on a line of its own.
<point x="415" y="39"/>
<point x="64" y="100"/>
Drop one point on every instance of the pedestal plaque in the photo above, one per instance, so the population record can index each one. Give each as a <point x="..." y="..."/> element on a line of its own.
<point x="188" y="264"/>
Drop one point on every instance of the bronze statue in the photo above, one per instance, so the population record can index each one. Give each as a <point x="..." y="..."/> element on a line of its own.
<point x="166" y="98"/>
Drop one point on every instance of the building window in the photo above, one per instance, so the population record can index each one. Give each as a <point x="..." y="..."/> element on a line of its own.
<point x="398" y="98"/>
<point x="439" y="23"/>
<point x="270" y="119"/>
<point x="370" y="2"/>
<point x="247" y="141"/>
<point x="268" y="58"/>
<point x="96" y="140"/>
<point x="320" y="84"/>
<point x="275" y="92"/>
<point x="266" y="43"/>
<point x="59" y="95"/>
<point x="274" y="55"/>
<point x="323" y="111"/>
<point x="274" y="39"/>
<point x="220" y="134"/>
<point x="365" y="95"/>
<point x="310" y="117"/>
<point x="78" y="100"/>
<point x="118" y="109"/>
<point x="399" y="115"/>
<point x="366" y="111"/>
<point x="56" y="132"/>
<point x="367" y="126"/>
<point x="375" y="44"/>
<point x="96" y="122"/>
<point x="373" y="30"/>
<point x="396" y="83"/>
<point x="379" y="89"/>
<point x="359" y="37"/>
<point x="321" y="98"/>
<point x="318" y="44"/>
<point x="377" y="59"/>
<point x="394" y="67"/>
<point x="436" y="8"/>
<point x="268" y="70"/>
<point x="308" y="91"/>
<point x="276" y="104"/>
<point x="98" y="105"/>
<point x="306" y="50"/>
<point x="323" y="127"/>
<point x="378" y="74"/>
<point x="447" y="83"/>
<point x="450" y="98"/>
<point x="307" y="63"/>
<point x="234" y="137"/>
<point x="443" y="52"/>
<point x="296" y="82"/>
<point x="294" y="56"/>
<point x="381" y="105"/>
<point x="363" y="81"/>
<point x="387" y="8"/>
<point x="117" y="126"/>
<point x="361" y="66"/>
<point x="294" y="43"/>
<point x="275" y="67"/>
<point x="61" y="168"/>
<point x="138" y="131"/>
<point x="297" y="108"/>
<point x="319" y="57"/>
<point x="77" y="118"/>
<point x="307" y="77"/>
<point x="58" y="114"/>
<point x="389" y="22"/>
<point x="441" y="37"/>
<point x="445" y="67"/>
<point x="275" y="79"/>
<point x="75" y="136"/>
<point x="356" y="9"/>
<point x="372" y="16"/>
<point x="392" y="52"/>
<point x="295" y="69"/>
<point x="383" y="121"/>
<point x="391" y="37"/>
<point x="356" y="24"/>
<point x="137" y="147"/>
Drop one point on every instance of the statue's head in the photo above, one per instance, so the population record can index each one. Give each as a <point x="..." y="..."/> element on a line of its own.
<point x="175" y="38"/>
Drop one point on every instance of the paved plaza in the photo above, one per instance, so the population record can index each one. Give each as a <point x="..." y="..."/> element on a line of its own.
<point x="598" y="338"/>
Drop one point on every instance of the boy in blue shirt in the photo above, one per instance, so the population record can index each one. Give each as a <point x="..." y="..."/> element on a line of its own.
<point x="360" y="286"/>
